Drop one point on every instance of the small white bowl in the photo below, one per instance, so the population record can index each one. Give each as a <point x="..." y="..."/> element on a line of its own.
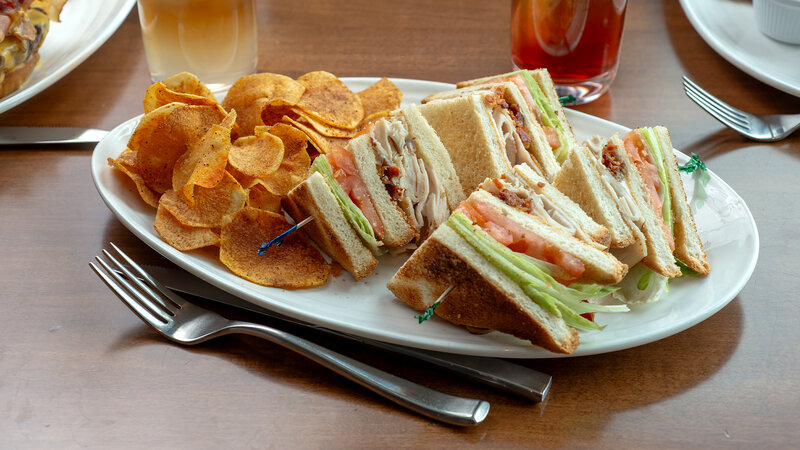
<point x="779" y="19"/>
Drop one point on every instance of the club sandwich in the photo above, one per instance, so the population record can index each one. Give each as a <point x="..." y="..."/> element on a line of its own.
<point x="510" y="272"/>
<point x="650" y="150"/>
<point x="388" y="188"/>
<point x="597" y="177"/>
<point x="487" y="130"/>
<point x="540" y="95"/>
<point x="633" y="187"/>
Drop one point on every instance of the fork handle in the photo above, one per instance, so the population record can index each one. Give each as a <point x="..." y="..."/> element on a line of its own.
<point x="428" y="402"/>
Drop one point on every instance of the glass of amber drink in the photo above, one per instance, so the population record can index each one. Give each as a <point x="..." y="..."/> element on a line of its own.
<point x="216" y="40"/>
<point x="577" y="41"/>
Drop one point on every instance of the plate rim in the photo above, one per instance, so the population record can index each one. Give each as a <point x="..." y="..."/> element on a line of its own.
<point x="509" y="351"/>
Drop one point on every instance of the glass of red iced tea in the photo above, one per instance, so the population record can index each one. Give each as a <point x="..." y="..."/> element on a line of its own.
<point x="577" y="41"/>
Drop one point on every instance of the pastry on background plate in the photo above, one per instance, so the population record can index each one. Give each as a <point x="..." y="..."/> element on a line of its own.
<point x="23" y="27"/>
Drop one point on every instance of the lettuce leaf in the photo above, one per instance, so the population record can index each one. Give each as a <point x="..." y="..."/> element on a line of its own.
<point x="566" y="302"/>
<point x="354" y="215"/>
<point x="641" y="285"/>
<point x="651" y="141"/>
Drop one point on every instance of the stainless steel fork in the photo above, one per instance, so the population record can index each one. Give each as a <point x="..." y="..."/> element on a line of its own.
<point x="765" y="128"/>
<point x="186" y="323"/>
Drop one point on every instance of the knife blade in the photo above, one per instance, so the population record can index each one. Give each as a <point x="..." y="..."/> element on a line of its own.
<point x="510" y="377"/>
<point x="49" y="135"/>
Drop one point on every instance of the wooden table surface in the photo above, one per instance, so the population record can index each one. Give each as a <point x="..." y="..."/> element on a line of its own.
<point x="77" y="369"/>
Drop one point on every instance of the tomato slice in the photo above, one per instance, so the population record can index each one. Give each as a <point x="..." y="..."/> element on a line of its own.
<point x="636" y="149"/>
<point x="552" y="136"/>
<point x="521" y="240"/>
<point x="346" y="174"/>
<point x="473" y="215"/>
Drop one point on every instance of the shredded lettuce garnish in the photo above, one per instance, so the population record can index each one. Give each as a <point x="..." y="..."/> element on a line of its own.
<point x="641" y="285"/>
<point x="644" y="280"/>
<point x="548" y="114"/>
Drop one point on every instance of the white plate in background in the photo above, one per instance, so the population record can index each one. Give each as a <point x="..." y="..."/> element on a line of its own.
<point x="730" y="28"/>
<point x="85" y="26"/>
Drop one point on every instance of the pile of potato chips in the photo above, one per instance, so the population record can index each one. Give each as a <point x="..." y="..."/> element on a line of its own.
<point x="217" y="172"/>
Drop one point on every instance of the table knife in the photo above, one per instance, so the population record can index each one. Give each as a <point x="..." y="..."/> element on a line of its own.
<point x="498" y="373"/>
<point x="49" y="135"/>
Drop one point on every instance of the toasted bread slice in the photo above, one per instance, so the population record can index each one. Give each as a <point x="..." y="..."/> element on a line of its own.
<point x="621" y="180"/>
<point x="658" y="256"/>
<point x="466" y="128"/>
<point x="433" y="152"/>
<point x="579" y="179"/>
<point x="688" y="246"/>
<point x="531" y="83"/>
<point x="540" y="155"/>
<point x="483" y="297"/>
<point x="330" y="229"/>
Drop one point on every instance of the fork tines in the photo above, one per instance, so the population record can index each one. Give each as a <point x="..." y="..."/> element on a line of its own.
<point x="138" y="295"/>
<point x="728" y="115"/>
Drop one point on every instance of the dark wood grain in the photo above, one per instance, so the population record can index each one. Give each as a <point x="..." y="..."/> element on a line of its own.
<point x="77" y="369"/>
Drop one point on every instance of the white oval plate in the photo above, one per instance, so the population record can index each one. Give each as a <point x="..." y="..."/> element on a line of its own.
<point x="85" y="26"/>
<point x="730" y="28"/>
<point x="367" y="308"/>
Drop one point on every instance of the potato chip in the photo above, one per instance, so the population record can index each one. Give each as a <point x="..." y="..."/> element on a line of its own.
<point x="260" y="197"/>
<point x="292" y="265"/>
<point x="149" y="123"/>
<point x="188" y="83"/>
<point x="274" y="111"/>
<point x="263" y="85"/>
<point x="258" y="155"/>
<point x="210" y="204"/>
<point x="246" y="181"/>
<point x="205" y="162"/>
<point x="158" y="94"/>
<point x="295" y="164"/>
<point x="291" y="137"/>
<point x="328" y="99"/>
<point x="325" y="129"/>
<point x="382" y="97"/>
<point x="165" y="134"/>
<point x="249" y="95"/>
<point x="126" y="162"/>
<point x="372" y="118"/>
<point x="320" y="142"/>
<point x="180" y="236"/>
<point x="249" y="117"/>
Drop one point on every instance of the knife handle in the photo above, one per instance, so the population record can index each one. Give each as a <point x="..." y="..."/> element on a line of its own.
<point x="498" y="373"/>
